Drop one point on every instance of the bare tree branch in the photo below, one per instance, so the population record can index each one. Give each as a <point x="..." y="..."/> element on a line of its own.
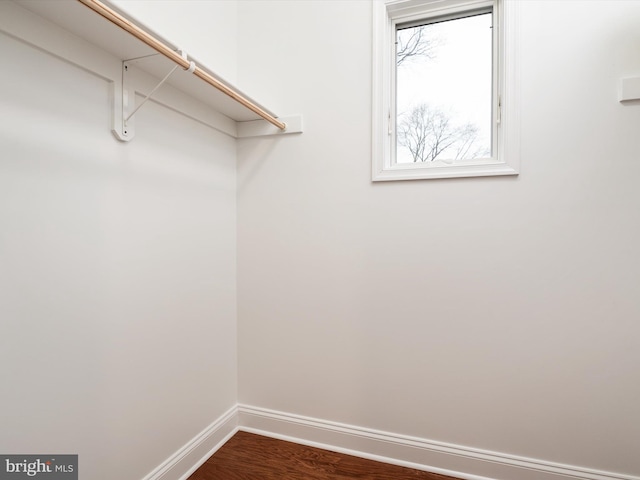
<point x="429" y="132"/>
<point x="412" y="43"/>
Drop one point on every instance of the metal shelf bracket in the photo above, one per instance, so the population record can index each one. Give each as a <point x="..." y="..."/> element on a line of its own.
<point x="124" y="99"/>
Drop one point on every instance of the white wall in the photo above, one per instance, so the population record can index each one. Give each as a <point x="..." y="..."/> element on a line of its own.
<point x="498" y="313"/>
<point x="117" y="271"/>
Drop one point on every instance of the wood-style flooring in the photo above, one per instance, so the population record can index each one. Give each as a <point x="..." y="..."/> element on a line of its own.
<point x="253" y="457"/>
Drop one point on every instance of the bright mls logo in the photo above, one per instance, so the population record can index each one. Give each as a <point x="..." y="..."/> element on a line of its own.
<point x="45" y="467"/>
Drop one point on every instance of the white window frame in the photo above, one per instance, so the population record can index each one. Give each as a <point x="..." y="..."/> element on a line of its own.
<point x="505" y="158"/>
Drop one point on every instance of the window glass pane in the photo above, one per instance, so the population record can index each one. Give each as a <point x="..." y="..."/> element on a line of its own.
<point x="444" y="91"/>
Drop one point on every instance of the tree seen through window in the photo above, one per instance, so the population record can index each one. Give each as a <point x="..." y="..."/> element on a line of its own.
<point x="444" y="90"/>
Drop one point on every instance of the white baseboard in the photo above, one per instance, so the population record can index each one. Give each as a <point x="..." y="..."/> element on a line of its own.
<point x="437" y="457"/>
<point x="195" y="452"/>
<point x="447" y="459"/>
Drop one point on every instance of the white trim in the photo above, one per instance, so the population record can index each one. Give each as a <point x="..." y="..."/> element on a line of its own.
<point x="413" y="452"/>
<point x="190" y="457"/>
<point x="509" y="140"/>
<point x="506" y="159"/>
<point x="458" y="461"/>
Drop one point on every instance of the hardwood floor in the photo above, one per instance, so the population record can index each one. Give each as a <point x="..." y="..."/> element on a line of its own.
<point x="253" y="457"/>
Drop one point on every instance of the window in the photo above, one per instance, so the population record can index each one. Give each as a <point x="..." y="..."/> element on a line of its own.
<point x="444" y="89"/>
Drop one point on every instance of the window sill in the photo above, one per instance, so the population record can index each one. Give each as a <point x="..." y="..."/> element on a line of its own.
<point x="414" y="171"/>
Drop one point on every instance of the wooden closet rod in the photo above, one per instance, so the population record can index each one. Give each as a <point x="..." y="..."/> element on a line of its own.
<point x="157" y="45"/>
